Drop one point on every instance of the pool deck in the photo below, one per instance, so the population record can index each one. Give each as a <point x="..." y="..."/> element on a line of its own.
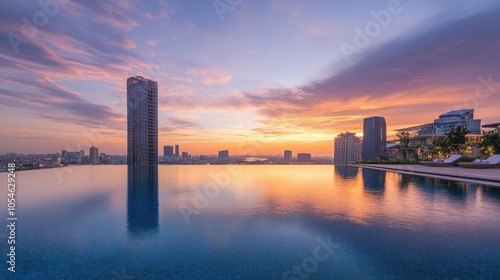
<point x="480" y="176"/>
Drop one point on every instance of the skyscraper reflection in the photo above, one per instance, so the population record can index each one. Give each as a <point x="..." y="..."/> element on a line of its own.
<point x="346" y="171"/>
<point x="142" y="199"/>
<point x="373" y="181"/>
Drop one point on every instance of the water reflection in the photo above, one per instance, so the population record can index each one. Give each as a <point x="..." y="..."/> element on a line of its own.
<point x="493" y="192"/>
<point x="456" y="189"/>
<point x="346" y="171"/>
<point x="142" y="199"/>
<point x="373" y="181"/>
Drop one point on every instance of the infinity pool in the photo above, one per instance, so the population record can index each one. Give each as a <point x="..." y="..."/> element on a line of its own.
<point x="249" y="222"/>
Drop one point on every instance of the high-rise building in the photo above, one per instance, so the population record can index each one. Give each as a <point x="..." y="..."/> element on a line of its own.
<point x="177" y="151"/>
<point x="303" y="157"/>
<point x="93" y="155"/>
<point x="374" y="138"/>
<point x="185" y="155"/>
<point x="347" y="149"/>
<point x="288" y="155"/>
<point x="168" y="151"/>
<point x="223" y="155"/>
<point x="142" y="121"/>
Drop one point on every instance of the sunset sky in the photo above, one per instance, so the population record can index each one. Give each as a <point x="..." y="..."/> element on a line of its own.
<point x="251" y="76"/>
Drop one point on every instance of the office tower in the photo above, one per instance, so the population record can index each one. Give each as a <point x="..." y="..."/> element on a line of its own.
<point x="142" y="121"/>
<point x="93" y="155"/>
<point x="347" y="148"/>
<point x="223" y="155"/>
<point x="288" y="155"/>
<point x="177" y="151"/>
<point x="303" y="157"/>
<point x="374" y="138"/>
<point x="168" y="151"/>
<point x="185" y="155"/>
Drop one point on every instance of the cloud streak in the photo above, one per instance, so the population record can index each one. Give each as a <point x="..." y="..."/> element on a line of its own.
<point x="419" y="74"/>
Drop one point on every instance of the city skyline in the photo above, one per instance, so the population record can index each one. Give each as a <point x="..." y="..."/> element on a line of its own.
<point x="294" y="91"/>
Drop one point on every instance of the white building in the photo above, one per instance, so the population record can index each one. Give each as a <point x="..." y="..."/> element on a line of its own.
<point x="442" y="125"/>
<point x="425" y="134"/>
<point x="347" y="149"/>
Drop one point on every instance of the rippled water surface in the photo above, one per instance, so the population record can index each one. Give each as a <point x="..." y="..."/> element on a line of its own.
<point x="250" y="222"/>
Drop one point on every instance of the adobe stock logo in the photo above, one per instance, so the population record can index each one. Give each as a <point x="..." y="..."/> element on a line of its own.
<point x="310" y="263"/>
<point x="50" y="8"/>
<point x="363" y="37"/>
<point x="223" y="6"/>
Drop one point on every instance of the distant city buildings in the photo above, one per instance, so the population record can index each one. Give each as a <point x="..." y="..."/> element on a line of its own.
<point x="347" y="149"/>
<point x="72" y="157"/>
<point x="303" y="157"/>
<point x="94" y="155"/>
<point x="287" y="156"/>
<point x="142" y="121"/>
<point x="223" y="155"/>
<point x="168" y="151"/>
<point x="374" y="138"/>
<point x="185" y="155"/>
<point x="177" y="151"/>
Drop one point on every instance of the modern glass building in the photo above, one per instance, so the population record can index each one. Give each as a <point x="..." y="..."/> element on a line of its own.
<point x="425" y="134"/>
<point x="374" y="138"/>
<point x="445" y="122"/>
<point x="142" y="121"/>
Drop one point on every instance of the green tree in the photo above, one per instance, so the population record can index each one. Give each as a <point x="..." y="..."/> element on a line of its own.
<point x="490" y="144"/>
<point x="439" y="148"/>
<point x="457" y="140"/>
<point x="404" y="147"/>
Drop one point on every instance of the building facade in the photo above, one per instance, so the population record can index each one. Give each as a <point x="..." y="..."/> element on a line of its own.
<point x="142" y="121"/>
<point x="426" y="134"/>
<point x="94" y="155"/>
<point x="168" y="151"/>
<point x="287" y="156"/>
<point x="347" y="149"/>
<point x="177" y="151"/>
<point x="223" y="155"/>
<point x="303" y="157"/>
<point x="374" y="138"/>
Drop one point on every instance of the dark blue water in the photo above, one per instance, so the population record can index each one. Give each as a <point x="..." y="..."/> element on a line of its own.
<point x="249" y="222"/>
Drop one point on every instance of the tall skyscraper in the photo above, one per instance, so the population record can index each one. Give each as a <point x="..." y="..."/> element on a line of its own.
<point x="177" y="151"/>
<point x="347" y="149"/>
<point x="374" y="138"/>
<point x="288" y="155"/>
<point x="94" y="155"/>
<point x="142" y="121"/>
<point x="168" y="151"/>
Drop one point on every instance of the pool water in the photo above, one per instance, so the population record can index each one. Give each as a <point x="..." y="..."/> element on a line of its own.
<point x="249" y="222"/>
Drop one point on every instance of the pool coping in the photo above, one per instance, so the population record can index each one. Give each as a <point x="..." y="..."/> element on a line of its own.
<point x="452" y="173"/>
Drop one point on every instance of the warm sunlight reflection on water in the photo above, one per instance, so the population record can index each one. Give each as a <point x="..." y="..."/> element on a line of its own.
<point x="251" y="222"/>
